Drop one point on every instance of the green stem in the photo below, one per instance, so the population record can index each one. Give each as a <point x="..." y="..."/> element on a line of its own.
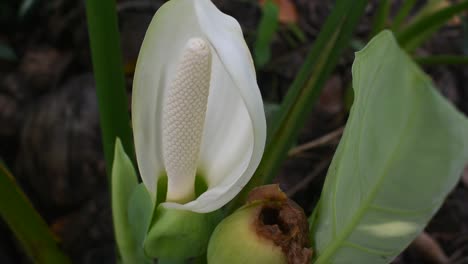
<point x="109" y="75"/>
<point x="27" y="225"/>
<point x="415" y="34"/>
<point x="304" y="91"/>
<point x="442" y="60"/>
<point x="402" y="14"/>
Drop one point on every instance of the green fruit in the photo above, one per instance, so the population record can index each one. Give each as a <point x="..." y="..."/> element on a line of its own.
<point x="270" y="229"/>
<point x="235" y="241"/>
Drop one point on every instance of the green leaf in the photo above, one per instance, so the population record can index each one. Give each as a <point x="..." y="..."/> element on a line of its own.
<point x="430" y="7"/>
<point x="125" y="191"/>
<point x="427" y="23"/>
<point x="442" y="59"/>
<point x="381" y="16"/>
<point x="110" y="80"/>
<point x="402" y="151"/>
<point x="304" y="92"/>
<point x="265" y="33"/>
<point x="271" y="110"/>
<point x="402" y="14"/>
<point x="27" y="225"/>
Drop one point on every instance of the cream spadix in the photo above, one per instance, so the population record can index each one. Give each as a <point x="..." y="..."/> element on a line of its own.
<point x="196" y="106"/>
<point x="184" y="117"/>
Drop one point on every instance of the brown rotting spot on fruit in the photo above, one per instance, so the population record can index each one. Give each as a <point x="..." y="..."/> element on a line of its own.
<point x="281" y="221"/>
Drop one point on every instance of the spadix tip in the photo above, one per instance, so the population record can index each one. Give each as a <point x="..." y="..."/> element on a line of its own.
<point x="198" y="46"/>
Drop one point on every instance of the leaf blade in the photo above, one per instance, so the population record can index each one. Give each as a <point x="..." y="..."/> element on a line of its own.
<point x="401" y="132"/>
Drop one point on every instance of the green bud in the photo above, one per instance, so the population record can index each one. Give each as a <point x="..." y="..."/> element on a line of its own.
<point x="269" y="229"/>
<point x="179" y="234"/>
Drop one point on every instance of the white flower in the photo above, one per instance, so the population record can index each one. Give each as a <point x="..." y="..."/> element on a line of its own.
<point x="196" y="106"/>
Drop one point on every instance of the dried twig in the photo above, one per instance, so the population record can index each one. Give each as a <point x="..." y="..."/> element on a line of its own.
<point x="322" y="165"/>
<point x="323" y="140"/>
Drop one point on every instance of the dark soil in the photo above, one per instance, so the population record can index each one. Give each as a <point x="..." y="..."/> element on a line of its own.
<point x="50" y="137"/>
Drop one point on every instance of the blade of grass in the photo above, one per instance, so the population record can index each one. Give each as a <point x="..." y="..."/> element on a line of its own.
<point x="442" y="60"/>
<point x="109" y="75"/>
<point x="381" y="16"/>
<point x="304" y="91"/>
<point x="402" y="14"/>
<point x="419" y="31"/>
<point x="27" y="225"/>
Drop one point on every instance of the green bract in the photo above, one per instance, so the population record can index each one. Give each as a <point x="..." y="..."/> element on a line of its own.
<point x="125" y="190"/>
<point x="180" y="234"/>
<point x="402" y="151"/>
<point x="196" y="106"/>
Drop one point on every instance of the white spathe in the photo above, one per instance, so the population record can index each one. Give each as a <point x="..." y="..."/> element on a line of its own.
<point x="233" y="134"/>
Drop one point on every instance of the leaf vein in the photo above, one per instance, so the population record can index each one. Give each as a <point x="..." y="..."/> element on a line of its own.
<point x="340" y="239"/>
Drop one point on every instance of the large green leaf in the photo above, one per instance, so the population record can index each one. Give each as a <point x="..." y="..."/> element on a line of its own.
<point x="403" y="150"/>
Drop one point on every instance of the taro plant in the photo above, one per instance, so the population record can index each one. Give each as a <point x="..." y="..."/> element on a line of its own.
<point x="202" y="152"/>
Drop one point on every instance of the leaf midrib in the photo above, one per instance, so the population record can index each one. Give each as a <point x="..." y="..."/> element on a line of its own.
<point x="338" y="241"/>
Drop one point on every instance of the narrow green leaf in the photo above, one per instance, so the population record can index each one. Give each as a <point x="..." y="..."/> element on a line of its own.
<point x="402" y="14"/>
<point x="271" y="110"/>
<point x="29" y="228"/>
<point x="381" y="16"/>
<point x="429" y="7"/>
<point x="265" y="32"/>
<point x="304" y="91"/>
<point x="442" y="60"/>
<point x="425" y="26"/>
<point x="402" y="151"/>
<point x="297" y="32"/>
<point x="124" y="185"/>
<point x="109" y="75"/>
